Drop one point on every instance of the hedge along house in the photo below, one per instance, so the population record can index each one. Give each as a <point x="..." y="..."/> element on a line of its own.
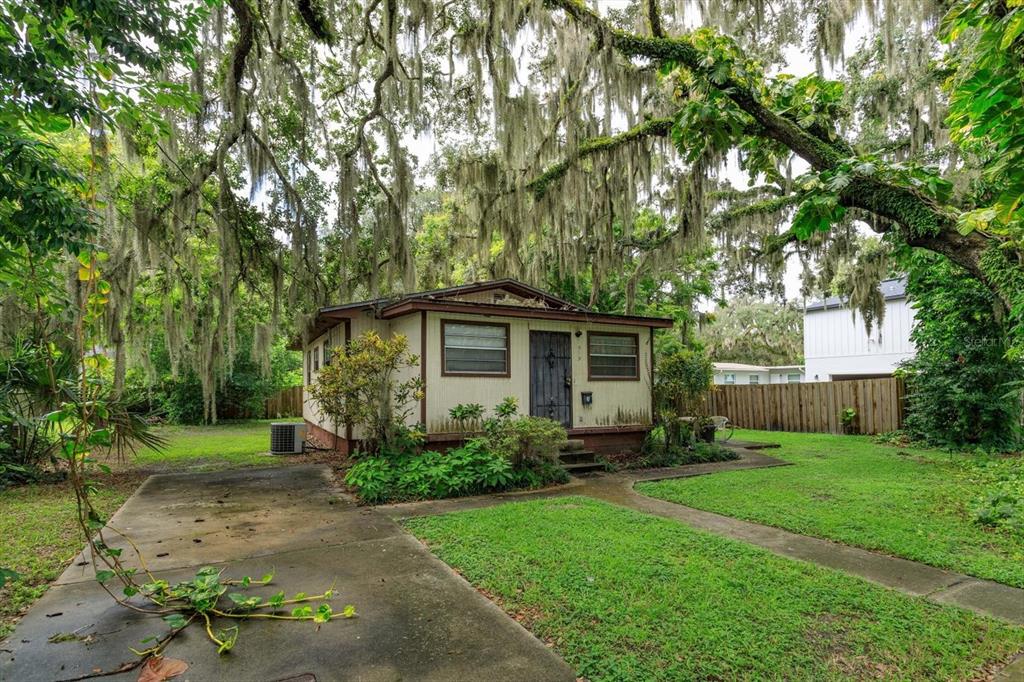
<point x="479" y="343"/>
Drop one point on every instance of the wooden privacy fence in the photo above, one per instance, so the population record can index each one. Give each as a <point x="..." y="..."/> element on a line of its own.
<point x="287" y="403"/>
<point x="812" y="407"/>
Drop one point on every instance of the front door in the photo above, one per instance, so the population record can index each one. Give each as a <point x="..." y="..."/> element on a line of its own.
<point x="551" y="376"/>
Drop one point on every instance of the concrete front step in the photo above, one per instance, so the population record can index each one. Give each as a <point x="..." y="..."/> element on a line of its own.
<point x="572" y="445"/>
<point x="583" y="467"/>
<point x="576" y="457"/>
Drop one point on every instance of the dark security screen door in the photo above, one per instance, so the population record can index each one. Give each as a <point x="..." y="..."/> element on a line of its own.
<point x="551" y="376"/>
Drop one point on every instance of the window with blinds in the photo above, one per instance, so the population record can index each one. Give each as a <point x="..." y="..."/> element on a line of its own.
<point x="474" y="349"/>
<point x="614" y="356"/>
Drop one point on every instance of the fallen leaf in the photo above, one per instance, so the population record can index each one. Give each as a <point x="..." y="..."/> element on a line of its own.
<point x="160" y="668"/>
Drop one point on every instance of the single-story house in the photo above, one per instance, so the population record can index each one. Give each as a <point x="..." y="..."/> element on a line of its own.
<point x="482" y="342"/>
<point x="837" y="345"/>
<point x="730" y="373"/>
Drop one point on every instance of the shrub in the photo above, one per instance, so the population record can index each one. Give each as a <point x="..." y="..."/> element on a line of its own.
<point x="962" y="387"/>
<point x="514" y="452"/>
<point x="683" y="379"/>
<point x="468" y="470"/>
<point x="358" y="388"/>
<point x="658" y="452"/>
<point x="27" y="440"/>
<point x="524" y="441"/>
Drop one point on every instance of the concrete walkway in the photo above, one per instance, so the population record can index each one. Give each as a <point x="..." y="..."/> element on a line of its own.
<point x="946" y="587"/>
<point x="418" y="620"/>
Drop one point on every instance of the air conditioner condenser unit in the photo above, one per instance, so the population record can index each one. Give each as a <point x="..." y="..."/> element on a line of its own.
<point x="287" y="438"/>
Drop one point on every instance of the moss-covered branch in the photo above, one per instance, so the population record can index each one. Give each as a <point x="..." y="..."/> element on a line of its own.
<point x="820" y="154"/>
<point x="655" y="127"/>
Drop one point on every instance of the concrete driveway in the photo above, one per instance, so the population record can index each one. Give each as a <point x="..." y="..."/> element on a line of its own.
<point x="417" y="619"/>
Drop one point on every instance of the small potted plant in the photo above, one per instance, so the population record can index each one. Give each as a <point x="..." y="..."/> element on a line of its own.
<point x="704" y="429"/>
<point x="848" y="417"/>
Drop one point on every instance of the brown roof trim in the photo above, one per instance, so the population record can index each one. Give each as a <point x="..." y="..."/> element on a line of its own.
<point x="405" y="307"/>
<point x="513" y="285"/>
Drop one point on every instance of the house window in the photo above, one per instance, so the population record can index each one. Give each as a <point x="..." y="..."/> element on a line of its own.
<point x="614" y="356"/>
<point x="793" y="378"/>
<point x="474" y="348"/>
<point x="729" y="379"/>
<point x="316" y="360"/>
<point x="754" y="379"/>
<point x="327" y="351"/>
<point x="309" y="367"/>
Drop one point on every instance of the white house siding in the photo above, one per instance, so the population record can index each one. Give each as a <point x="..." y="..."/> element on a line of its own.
<point x="616" y="403"/>
<point x="359" y="325"/>
<point x="836" y="343"/>
<point x="781" y="375"/>
<point x="742" y="377"/>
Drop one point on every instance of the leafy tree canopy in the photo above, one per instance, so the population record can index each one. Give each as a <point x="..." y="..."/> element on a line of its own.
<point x="275" y="151"/>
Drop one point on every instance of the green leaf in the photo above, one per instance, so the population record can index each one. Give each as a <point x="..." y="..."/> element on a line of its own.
<point x="104" y="576"/>
<point x="1014" y="27"/>
<point x="54" y="124"/>
<point x="349" y="611"/>
<point x="267" y="577"/>
<point x="323" y="614"/>
<point x="175" y="621"/>
<point x="302" y="612"/>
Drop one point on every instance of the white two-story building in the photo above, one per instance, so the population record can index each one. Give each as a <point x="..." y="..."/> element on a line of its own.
<point x="837" y="345"/>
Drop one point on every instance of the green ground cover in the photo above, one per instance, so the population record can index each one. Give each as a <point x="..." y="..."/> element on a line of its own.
<point x="628" y="596"/>
<point x="910" y="502"/>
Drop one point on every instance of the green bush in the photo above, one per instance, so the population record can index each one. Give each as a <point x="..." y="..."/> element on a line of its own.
<point x="657" y="451"/>
<point x="960" y="384"/>
<point x="524" y="441"/>
<point x="468" y="470"/>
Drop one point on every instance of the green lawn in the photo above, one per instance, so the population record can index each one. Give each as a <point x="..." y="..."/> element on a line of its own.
<point x="908" y="502"/>
<point x="627" y="596"/>
<point x="38" y="534"/>
<point x="40" y="537"/>
<point x="202" y="448"/>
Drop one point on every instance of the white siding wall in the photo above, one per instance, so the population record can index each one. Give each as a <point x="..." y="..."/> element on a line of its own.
<point x="359" y="324"/>
<point x="742" y="377"/>
<point x="781" y="376"/>
<point x="615" y="403"/>
<point x="835" y="342"/>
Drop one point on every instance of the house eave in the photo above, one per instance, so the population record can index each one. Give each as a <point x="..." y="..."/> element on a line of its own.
<point x="496" y="310"/>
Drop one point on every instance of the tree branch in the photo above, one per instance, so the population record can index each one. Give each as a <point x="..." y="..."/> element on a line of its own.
<point x="655" y="127"/>
<point x="654" y="19"/>
<point x="818" y="153"/>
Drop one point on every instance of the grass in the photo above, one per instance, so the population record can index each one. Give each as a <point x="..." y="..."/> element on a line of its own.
<point x="40" y="537"/>
<point x="206" y="448"/>
<point x="908" y="502"/>
<point x="628" y="596"/>
<point x="38" y="532"/>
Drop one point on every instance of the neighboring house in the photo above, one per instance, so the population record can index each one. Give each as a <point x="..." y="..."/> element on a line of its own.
<point x="481" y="342"/>
<point x="837" y="346"/>
<point x="735" y="373"/>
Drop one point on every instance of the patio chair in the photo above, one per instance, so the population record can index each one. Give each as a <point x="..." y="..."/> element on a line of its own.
<point x="723" y="424"/>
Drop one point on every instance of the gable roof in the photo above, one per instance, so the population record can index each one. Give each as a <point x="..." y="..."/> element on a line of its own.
<point x="891" y="289"/>
<point x="447" y="300"/>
